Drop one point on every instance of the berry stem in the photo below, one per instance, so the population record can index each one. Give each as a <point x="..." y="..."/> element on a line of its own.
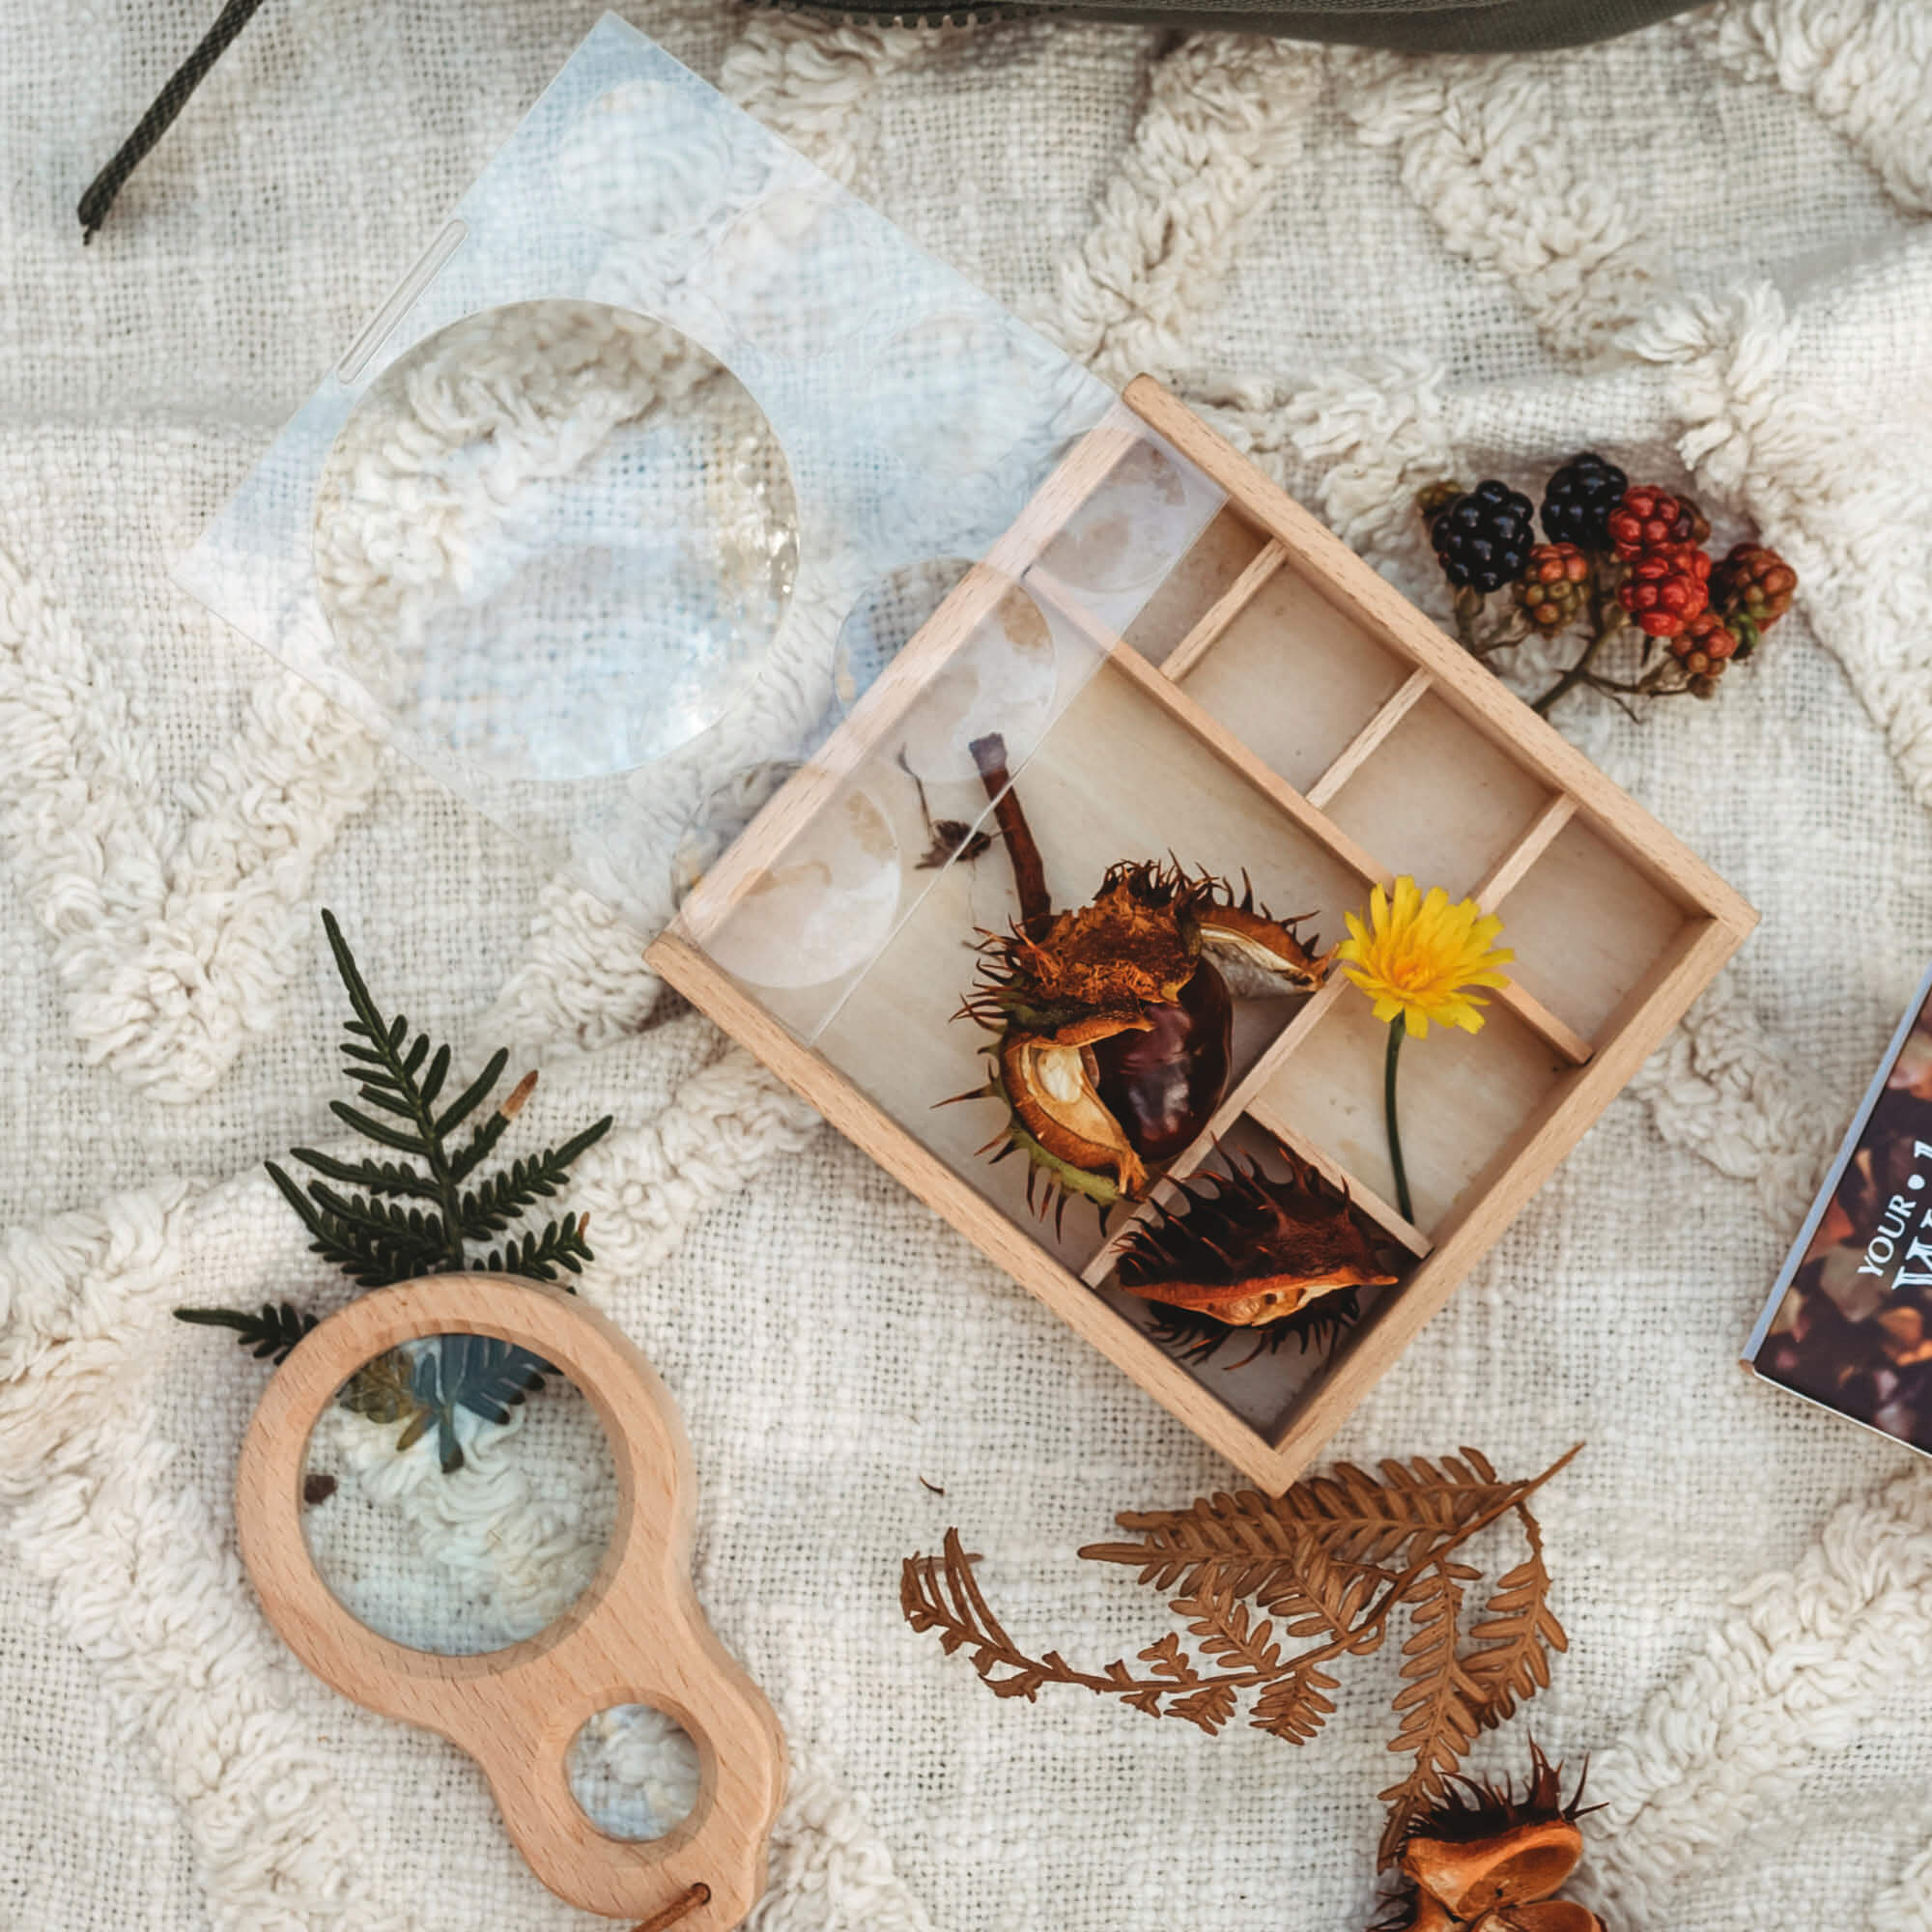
<point x="1504" y="637"/>
<point x="1606" y="620"/>
<point x="1468" y="608"/>
<point x="1397" y="1033"/>
<point x="1649" y="688"/>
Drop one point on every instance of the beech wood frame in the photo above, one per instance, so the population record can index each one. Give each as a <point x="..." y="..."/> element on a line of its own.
<point x="1716" y="919"/>
<point x="636" y="1636"/>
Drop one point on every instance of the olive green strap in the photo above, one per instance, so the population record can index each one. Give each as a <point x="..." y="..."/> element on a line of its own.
<point x="1412" y="26"/>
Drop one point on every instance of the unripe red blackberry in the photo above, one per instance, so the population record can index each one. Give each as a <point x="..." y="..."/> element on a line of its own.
<point x="1753" y="582"/>
<point x="1664" y="589"/>
<point x="1649" y="517"/>
<point x="1706" y="636"/>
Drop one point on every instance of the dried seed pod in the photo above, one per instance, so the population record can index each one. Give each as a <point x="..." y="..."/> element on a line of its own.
<point x="1190" y="1336"/>
<point x="1052" y="1091"/>
<point x="1250" y="1249"/>
<point x="1491" y="1861"/>
<point x="1115" y="1024"/>
<point x="1162" y="1082"/>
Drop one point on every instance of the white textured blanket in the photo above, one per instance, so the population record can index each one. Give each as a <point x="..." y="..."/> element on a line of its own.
<point x="1704" y="250"/>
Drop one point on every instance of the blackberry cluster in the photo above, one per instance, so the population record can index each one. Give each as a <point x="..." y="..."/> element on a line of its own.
<point x="1607" y="543"/>
<point x="1483" y="538"/>
<point x="1578" y="504"/>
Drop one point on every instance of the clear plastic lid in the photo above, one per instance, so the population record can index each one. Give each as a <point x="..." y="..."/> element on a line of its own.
<point x="628" y="498"/>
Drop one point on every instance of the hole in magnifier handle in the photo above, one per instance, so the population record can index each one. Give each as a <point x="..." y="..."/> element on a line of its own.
<point x="634" y="1773"/>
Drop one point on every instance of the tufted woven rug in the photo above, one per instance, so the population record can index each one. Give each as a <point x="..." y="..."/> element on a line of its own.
<point x="1704" y="250"/>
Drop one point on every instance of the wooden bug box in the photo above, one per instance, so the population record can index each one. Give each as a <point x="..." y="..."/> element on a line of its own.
<point x="1183" y="661"/>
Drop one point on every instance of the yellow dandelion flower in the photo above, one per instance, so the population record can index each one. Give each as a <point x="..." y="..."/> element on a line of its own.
<point x="1417" y="957"/>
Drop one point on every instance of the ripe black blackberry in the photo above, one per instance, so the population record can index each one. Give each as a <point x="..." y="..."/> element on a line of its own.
<point x="1579" y="501"/>
<point x="1483" y="538"/>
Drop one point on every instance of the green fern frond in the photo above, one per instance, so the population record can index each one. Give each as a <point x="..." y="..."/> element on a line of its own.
<point x="398" y="1230"/>
<point x="474" y="1095"/>
<point x="273" y="1332"/>
<point x="487" y="1376"/>
<point x="383" y="1220"/>
<point x="376" y="1130"/>
<point x="501" y="1199"/>
<point x="373" y="1176"/>
<point x="560" y="1245"/>
<point x="327" y="1237"/>
<point x="482" y="1143"/>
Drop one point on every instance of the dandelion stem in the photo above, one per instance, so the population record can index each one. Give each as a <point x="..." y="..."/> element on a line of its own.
<point x="1397" y="1033"/>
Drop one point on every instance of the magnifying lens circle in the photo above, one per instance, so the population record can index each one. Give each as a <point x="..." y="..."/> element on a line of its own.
<point x="458" y="1494"/>
<point x="557" y="538"/>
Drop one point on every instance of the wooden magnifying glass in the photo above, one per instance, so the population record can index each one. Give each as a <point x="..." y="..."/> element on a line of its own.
<point x="637" y="1635"/>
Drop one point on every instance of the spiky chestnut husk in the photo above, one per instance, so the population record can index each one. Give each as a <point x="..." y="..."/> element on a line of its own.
<point x="1196" y="1339"/>
<point x="1553" y="588"/>
<point x="1578" y="500"/>
<point x="1250" y="1249"/>
<point x="1134" y="944"/>
<point x="1116" y="1026"/>
<point x="1481" y="538"/>
<point x="1488" y="1860"/>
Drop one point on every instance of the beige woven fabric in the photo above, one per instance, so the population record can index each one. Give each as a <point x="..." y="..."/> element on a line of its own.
<point x="1703" y="250"/>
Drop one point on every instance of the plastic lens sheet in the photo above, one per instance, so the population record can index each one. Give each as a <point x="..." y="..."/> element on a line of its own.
<point x="626" y="504"/>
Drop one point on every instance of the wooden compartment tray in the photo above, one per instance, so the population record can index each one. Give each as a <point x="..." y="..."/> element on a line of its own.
<point x="1269" y="706"/>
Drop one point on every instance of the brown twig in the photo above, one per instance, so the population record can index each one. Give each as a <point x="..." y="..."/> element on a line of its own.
<point x="1579" y="671"/>
<point x="989" y="754"/>
<point x="1606" y="621"/>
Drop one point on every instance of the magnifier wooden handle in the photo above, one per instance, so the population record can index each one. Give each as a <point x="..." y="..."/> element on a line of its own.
<point x="637" y="1636"/>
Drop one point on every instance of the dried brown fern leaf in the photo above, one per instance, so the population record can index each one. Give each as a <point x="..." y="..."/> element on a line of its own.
<point x="1227" y="1548"/>
<point x="1236" y="1541"/>
<point x="1332" y="1561"/>
<point x="1221" y="1627"/>
<point x="1210" y="1707"/>
<point x="1437" y="1702"/>
<point x="1325" y="1597"/>
<point x="1295" y="1705"/>
<point x="1248" y="1542"/>
<point x="940" y="1593"/>
<point x="1169" y="1659"/>
<point x="1518" y="1633"/>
